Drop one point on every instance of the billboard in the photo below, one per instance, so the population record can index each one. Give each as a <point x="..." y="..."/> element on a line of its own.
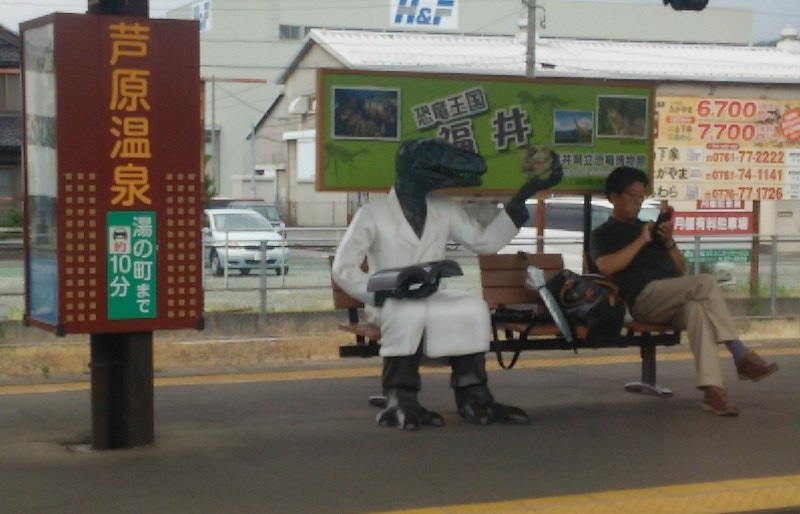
<point x="594" y="126"/>
<point x="727" y="149"/>
<point x="112" y="141"/>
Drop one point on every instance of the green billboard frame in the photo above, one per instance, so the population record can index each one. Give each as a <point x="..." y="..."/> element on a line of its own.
<point x="594" y="125"/>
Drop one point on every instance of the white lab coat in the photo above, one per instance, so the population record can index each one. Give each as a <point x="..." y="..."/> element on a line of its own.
<point x="453" y="322"/>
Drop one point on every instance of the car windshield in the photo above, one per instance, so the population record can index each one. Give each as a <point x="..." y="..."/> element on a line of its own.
<point x="268" y="211"/>
<point x="271" y="213"/>
<point x="241" y="221"/>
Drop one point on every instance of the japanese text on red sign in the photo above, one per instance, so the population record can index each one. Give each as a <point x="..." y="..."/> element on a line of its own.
<point x="129" y="121"/>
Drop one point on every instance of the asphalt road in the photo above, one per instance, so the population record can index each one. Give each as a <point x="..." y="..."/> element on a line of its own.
<point x="303" y="440"/>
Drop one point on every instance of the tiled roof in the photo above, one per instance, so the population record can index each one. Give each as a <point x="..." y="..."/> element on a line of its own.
<point x="9" y="48"/>
<point x="559" y="57"/>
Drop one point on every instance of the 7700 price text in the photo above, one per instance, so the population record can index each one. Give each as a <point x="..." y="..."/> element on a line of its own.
<point x="746" y="193"/>
<point x="727" y="131"/>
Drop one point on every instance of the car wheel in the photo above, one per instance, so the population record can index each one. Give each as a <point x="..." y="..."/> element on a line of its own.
<point x="216" y="266"/>
<point x="244" y="271"/>
<point x="284" y="271"/>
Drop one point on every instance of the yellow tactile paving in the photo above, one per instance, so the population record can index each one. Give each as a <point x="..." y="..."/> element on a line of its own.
<point x="701" y="498"/>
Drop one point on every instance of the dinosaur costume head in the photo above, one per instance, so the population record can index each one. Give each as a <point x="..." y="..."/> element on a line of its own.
<point x="426" y="164"/>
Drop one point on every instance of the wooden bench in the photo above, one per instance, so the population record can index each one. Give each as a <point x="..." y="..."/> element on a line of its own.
<point x="502" y="283"/>
<point x="367" y="335"/>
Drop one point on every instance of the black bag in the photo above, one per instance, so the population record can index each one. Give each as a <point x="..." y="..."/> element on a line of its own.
<point x="591" y="304"/>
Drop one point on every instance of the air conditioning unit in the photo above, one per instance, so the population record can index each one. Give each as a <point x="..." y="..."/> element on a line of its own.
<point x="301" y="105"/>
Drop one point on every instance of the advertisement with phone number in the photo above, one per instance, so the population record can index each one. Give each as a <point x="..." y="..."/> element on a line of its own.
<point x="726" y="149"/>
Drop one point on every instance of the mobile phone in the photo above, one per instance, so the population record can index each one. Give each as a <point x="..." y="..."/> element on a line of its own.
<point x="665" y="215"/>
<point x="662" y="217"/>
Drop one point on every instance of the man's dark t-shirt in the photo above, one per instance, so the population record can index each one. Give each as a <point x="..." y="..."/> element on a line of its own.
<point x="651" y="263"/>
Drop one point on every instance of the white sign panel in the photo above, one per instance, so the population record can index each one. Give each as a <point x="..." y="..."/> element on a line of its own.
<point x="727" y="149"/>
<point x="424" y="14"/>
<point x="201" y="11"/>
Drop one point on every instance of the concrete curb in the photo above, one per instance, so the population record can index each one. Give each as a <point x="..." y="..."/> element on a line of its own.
<point x="229" y="342"/>
<point x="234" y="343"/>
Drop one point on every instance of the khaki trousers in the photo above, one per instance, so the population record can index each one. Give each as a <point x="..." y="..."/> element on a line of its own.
<point x="693" y="303"/>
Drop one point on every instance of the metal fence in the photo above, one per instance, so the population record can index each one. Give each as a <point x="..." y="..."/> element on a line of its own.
<point x="761" y="271"/>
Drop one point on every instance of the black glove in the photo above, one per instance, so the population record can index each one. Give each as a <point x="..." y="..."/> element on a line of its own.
<point x="424" y="290"/>
<point x="413" y="291"/>
<point x="516" y="206"/>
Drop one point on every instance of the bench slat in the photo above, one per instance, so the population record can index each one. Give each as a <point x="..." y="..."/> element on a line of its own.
<point x="641" y="327"/>
<point x="502" y="296"/>
<point x="632" y="328"/>
<point x="342" y="300"/>
<point x="515" y="260"/>
<point x="367" y="330"/>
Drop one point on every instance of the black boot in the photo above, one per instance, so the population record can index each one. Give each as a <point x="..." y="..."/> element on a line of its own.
<point x="401" y="382"/>
<point x="474" y="400"/>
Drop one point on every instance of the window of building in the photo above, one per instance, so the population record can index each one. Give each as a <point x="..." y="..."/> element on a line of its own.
<point x="306" y="160"/>
<point x="211" y="149"/>
<point x="290" y="32"/>
<point x="211" y="143"/>
<point x="10" y="94"/>
<point x="10" y="194"/>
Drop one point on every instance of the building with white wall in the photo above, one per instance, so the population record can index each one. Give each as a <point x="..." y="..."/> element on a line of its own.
<point x="246" y="46"/>
<point x="679" y="69"/>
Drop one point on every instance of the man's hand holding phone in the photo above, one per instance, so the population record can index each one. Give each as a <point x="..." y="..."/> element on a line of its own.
<point x="662" y="228"/>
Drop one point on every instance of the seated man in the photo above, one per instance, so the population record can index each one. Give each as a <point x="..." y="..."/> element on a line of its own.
<point x="411" y="225"/>
<point x="649" y="271"/>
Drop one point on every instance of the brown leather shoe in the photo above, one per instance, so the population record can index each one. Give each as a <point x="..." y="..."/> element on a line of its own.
<point x="753" y="367"/>
<point x="716" y="402"/>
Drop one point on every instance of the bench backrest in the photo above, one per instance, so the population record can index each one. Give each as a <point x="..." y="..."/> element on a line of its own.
<point x="503" y="277"/>
<point x="342" y="300"/>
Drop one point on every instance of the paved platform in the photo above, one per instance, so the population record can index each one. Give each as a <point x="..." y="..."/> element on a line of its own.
<point x="302" y="439"/>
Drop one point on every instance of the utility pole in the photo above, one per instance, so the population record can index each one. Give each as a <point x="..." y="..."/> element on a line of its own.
<point x="530" y="55"/>
<point x="215" y="172"/>
<point x="253" y="192"/>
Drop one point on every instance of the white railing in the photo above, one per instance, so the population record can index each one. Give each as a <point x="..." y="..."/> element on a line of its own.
<point x="770" y="276"/>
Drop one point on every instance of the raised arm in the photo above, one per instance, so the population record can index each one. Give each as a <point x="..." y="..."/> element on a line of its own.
<point x="543" y="169"/>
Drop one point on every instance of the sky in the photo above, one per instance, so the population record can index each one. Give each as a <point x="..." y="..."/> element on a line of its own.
<point x="769" y="16"/>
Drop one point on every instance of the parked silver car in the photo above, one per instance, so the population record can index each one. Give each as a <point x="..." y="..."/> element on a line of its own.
<point x="232" y="240"/>
<point x="269" y="211"/>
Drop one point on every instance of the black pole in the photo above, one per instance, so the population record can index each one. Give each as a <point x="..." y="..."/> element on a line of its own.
<point x="122" y="364"/>
<point x="122" y="390"/>
<point x="119" y="7"/>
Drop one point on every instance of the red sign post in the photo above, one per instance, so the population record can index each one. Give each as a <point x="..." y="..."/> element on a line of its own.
<point x="114" y="189"/>
<point x="113" y="135"/>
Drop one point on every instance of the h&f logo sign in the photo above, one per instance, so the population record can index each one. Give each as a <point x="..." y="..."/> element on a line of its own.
<point x="435" y="14"/>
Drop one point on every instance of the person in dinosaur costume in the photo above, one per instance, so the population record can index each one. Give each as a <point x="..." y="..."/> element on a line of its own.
<point x="411" y="225"/>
